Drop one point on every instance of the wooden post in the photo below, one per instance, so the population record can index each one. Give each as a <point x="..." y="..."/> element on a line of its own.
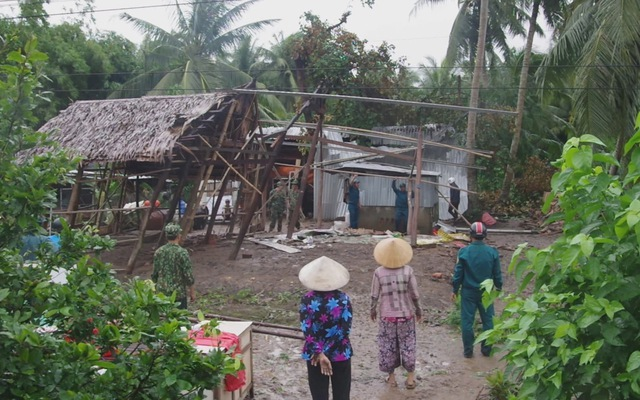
<point x="232" y="223"/>
<point x="75" y="196"/>
<point x="320" y="189"/>
<point x="416" y="202"/>
<point x="203" y="177"/>
<point x="117" y="220"/>
<point x="216" y="206"/>
<point x="143" y="225"/>
<point x="305" y="174"/>
<point x="173" y="204"/>
<point x="255" y="199"/>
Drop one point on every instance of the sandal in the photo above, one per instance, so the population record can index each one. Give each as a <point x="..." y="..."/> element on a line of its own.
<point x="410" y="385"/>
<point x="391" y="383"/>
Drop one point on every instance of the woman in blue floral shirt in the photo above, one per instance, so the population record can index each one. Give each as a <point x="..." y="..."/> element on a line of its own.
<point x="325" y="320"/>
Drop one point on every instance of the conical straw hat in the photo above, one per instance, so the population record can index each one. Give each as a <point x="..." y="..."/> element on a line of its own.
<point x="324" y="274"/>
<point x="393" y="253"/>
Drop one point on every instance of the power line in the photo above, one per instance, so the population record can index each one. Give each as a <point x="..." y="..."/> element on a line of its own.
<point x="112" y="9"/>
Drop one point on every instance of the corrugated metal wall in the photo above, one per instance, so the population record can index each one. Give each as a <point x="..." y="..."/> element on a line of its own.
<point x="375" y="191"/>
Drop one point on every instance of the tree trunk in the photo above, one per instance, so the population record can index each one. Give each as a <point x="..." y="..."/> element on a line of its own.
<point x="472" y="174"/>
<point x="522" y="94"/>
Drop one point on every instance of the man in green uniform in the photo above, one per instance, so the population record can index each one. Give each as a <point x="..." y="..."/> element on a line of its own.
<point x="294" y="192"/>
<point x="172" y="270"/>
<point x="476" y="263"/>
<point x="277" y="205"/>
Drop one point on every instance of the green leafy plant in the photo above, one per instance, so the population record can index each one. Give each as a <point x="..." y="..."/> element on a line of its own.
<point x="575" y="336"/>
<point x="93" y="337"/>
<point x="500" y="387"/>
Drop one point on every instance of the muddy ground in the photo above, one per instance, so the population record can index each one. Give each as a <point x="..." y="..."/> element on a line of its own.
<point x="262" y="285"/>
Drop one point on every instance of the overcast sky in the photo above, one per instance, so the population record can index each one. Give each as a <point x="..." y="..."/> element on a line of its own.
<point x="414" y="37"/>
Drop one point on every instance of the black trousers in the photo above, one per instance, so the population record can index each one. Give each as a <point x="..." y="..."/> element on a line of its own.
<point x="453" y="211"/>
<point x="340" y="381"/>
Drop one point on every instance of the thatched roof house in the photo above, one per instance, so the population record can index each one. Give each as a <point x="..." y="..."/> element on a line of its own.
<point x="141" y="129"/>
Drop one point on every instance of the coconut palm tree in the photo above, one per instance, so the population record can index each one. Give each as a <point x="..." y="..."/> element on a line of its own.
<point x="473" y="24"/>
<point x="601" y="39"/>
<point x="190" y="59"/>
<point x="506" y="19"/>
<point x="552" y="11"/>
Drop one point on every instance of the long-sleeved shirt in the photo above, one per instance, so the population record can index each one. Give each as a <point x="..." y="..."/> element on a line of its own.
<point x="476" y="263"/>
<point x="325" y="321"/>
<point x="454" y="194"/>
<point x="397" y="292"/>
<point x="354" y="195"/>
<point x="402" y="199"/>
<point x="172" y="270"/>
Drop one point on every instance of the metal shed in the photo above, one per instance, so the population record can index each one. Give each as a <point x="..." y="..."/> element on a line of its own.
<point x="376" y="196"/>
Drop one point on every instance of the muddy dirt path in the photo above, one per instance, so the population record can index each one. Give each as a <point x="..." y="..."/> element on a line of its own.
<point x="264" y="287"/>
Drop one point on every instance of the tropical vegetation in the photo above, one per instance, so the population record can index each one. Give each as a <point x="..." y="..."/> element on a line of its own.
<point x="575" y="107"/>
<point x="91" y="337"/>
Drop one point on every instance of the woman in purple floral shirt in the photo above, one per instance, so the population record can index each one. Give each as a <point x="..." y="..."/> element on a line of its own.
<point x="325" y="320"/>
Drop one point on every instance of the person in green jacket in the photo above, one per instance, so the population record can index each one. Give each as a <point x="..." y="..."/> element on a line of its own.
<point x="294" y="193"/>
<point x="277" y="206"/>
<point x="172" y="269"/>
<point x="476" y="263"/>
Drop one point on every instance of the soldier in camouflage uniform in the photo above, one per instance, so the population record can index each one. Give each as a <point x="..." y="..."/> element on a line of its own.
<point x="277" y="206"/>
<point x="172" y="270"/>
<point x="293" y="200"/>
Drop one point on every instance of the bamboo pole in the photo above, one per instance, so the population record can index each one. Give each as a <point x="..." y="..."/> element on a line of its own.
<point x="376" y="100"/>
<point x="454" y="207"/>
<point x="305" y="174"/>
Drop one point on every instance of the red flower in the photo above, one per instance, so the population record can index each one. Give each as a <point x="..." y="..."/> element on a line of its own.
<point x="95" y="331"/>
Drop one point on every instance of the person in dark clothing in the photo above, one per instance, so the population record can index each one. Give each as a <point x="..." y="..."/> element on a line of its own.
<point x="476" y="263"/>
<point x="353" y="202"/>
<point x="454" y="199"/>
<point x="325" y="320"/>
<point x="402" y="206"/>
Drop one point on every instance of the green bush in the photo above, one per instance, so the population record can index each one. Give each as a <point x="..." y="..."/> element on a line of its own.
<point x="92" y="338"/>
<point x="576" y="335"/>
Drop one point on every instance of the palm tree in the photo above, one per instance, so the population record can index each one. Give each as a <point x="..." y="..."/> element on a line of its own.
<point x="601" y="38"/>
<point x="552" y="12"/>
<point x="473" y="23"/>
<point x="472" y="173"/>
<point x="463" y="38"/>
<point x="189" y="59"/>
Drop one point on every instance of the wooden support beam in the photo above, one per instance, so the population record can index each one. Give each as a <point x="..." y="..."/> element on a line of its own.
<point x="143" y="227"/>
<point x="416" y="195"/>
<point x="253" y="205"/>
<point x="368" y="149"/>
<point x="75" y="196"/>
<point x="216" y="206"/>
<point x="305" y="173"/>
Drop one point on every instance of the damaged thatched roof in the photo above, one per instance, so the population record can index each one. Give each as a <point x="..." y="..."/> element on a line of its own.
<point x="140" y="129"/>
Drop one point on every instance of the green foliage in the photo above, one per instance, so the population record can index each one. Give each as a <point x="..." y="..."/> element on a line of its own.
<point x="575" y="335"/>
<point x="79" y="67"/>
<point x="93" y="337"/>
<point x="345" y="64"/>
<point x="500" y="387"/>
